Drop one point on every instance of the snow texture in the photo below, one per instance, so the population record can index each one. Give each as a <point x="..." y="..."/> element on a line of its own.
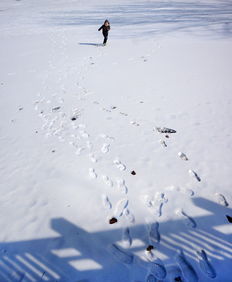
<point x="115" y="157"/>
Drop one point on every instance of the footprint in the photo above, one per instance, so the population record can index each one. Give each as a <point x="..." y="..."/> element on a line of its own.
<point x="106" y="110"/>
<point x="205" y="265"/>
<point x="183" y="156"/>
<point x="56" y="109"/>
<point x="129" y="216"/>
<point x="134" y="123"/>
<point x="92" y="158"/>
<point x="188" y="192"/>
<point x="221" y="200"/>
<point x="159" y="201"/>
<point x="175" y="274"/>
<point x="107" y="180"/>
<point x="121" y="205"/>
<point x="119" y="165"/>
<point x="154" y="234"/>
<point x="89" y="145"/>
<point x="123" y="114"/>
<point x="106" y="202"/>
<point x="122" y="186"/>
<point x="151" y="278"/>
<point x="74" y="144"/>
<point x="81" y="125"/>
<point x="92" y="173"/>
<point x="121" y="255"/>
<point x="126" y="237"/>
<point x="155" y="204"/>
<point x="106" y="136"/>
<point x="189" y="221"/>
<point x="148" y="201"/>
<point x="194" y="174"/>
<point x="105" y="148"/>
<point x="79" y="150"/>
<point x="158" y="270"/>
<point x="186" y="268"/>
<point x="84" y="134"/>
<point x="163" y="143"/>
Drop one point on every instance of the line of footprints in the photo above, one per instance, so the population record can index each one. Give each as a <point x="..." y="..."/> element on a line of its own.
<point x="56" y="122"/>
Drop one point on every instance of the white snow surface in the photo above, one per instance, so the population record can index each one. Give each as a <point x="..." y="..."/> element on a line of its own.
<point x="78" y="118"/>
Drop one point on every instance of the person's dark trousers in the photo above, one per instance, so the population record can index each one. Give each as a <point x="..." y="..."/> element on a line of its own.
<point x="105" y="34"/>
<point x="105" y="39"/>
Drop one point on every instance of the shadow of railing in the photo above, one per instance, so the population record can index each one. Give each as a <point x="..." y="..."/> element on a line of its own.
<point x="154" y="17"/>
<point x="78" y="255"/>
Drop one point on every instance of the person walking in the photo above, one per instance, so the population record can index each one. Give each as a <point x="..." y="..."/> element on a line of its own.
<point x="105" y="30"/>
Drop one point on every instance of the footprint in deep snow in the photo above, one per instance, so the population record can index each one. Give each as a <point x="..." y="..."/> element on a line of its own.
<point x="126" y="237"/>
<point x="106" y="202"/>
<point x="105" y="148"/>
<point x="194" y="174"/>
<point x="107" y="180"/>
<point x="92" y="173"/>
<point x="205" y="265"/>
<point x="188" y="220"/>
<point x="122" y="186"/>
<point x="183" y="156"/>
<point x="121" y="255"/>
<point x="186" y="268"/>
<point x="155" y="204"/>
<point x="128" y="215"/>
<point x="154" y="234"/>
<point x="120" y="206"/>
<point x="157" y="269"/>
<point x="221" y="199"/>
<point x="119" y="164"/>
<point x="123" y="114"/>
<point x="158" y="203"/>
<point x="92" y="158"/>
<point x="163" y="143"/>
<point x="174" y="274"/>
<point x="84" y="134"/>
<point x="150" y="278"/>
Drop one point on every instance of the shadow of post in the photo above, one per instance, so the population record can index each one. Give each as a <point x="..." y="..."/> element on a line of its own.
<point x="76" y="254"/>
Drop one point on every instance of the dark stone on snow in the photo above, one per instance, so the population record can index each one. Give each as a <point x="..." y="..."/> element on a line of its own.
<point x="149" y="248"/>
<point x="229" y="218"/>
<point x="133" y="172"/>
<point x="113" y="220"/>
<point x="73" y="118"/>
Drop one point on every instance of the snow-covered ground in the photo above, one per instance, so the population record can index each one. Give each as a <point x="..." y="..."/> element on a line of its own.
<point x="81" y="145"/>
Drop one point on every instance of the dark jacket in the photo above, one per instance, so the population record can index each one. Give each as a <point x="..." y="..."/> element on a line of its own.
<point x="105" y="29"/>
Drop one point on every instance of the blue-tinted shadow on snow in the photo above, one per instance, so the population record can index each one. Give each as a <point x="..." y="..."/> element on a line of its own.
<point x="148" y="18"/>
<point x="75" y="254"/>
<point x="91" y="44"/>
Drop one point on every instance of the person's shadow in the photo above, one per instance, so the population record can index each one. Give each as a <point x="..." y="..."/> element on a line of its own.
<point x="91" y="44"/>
<point x="75" y="254"/>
